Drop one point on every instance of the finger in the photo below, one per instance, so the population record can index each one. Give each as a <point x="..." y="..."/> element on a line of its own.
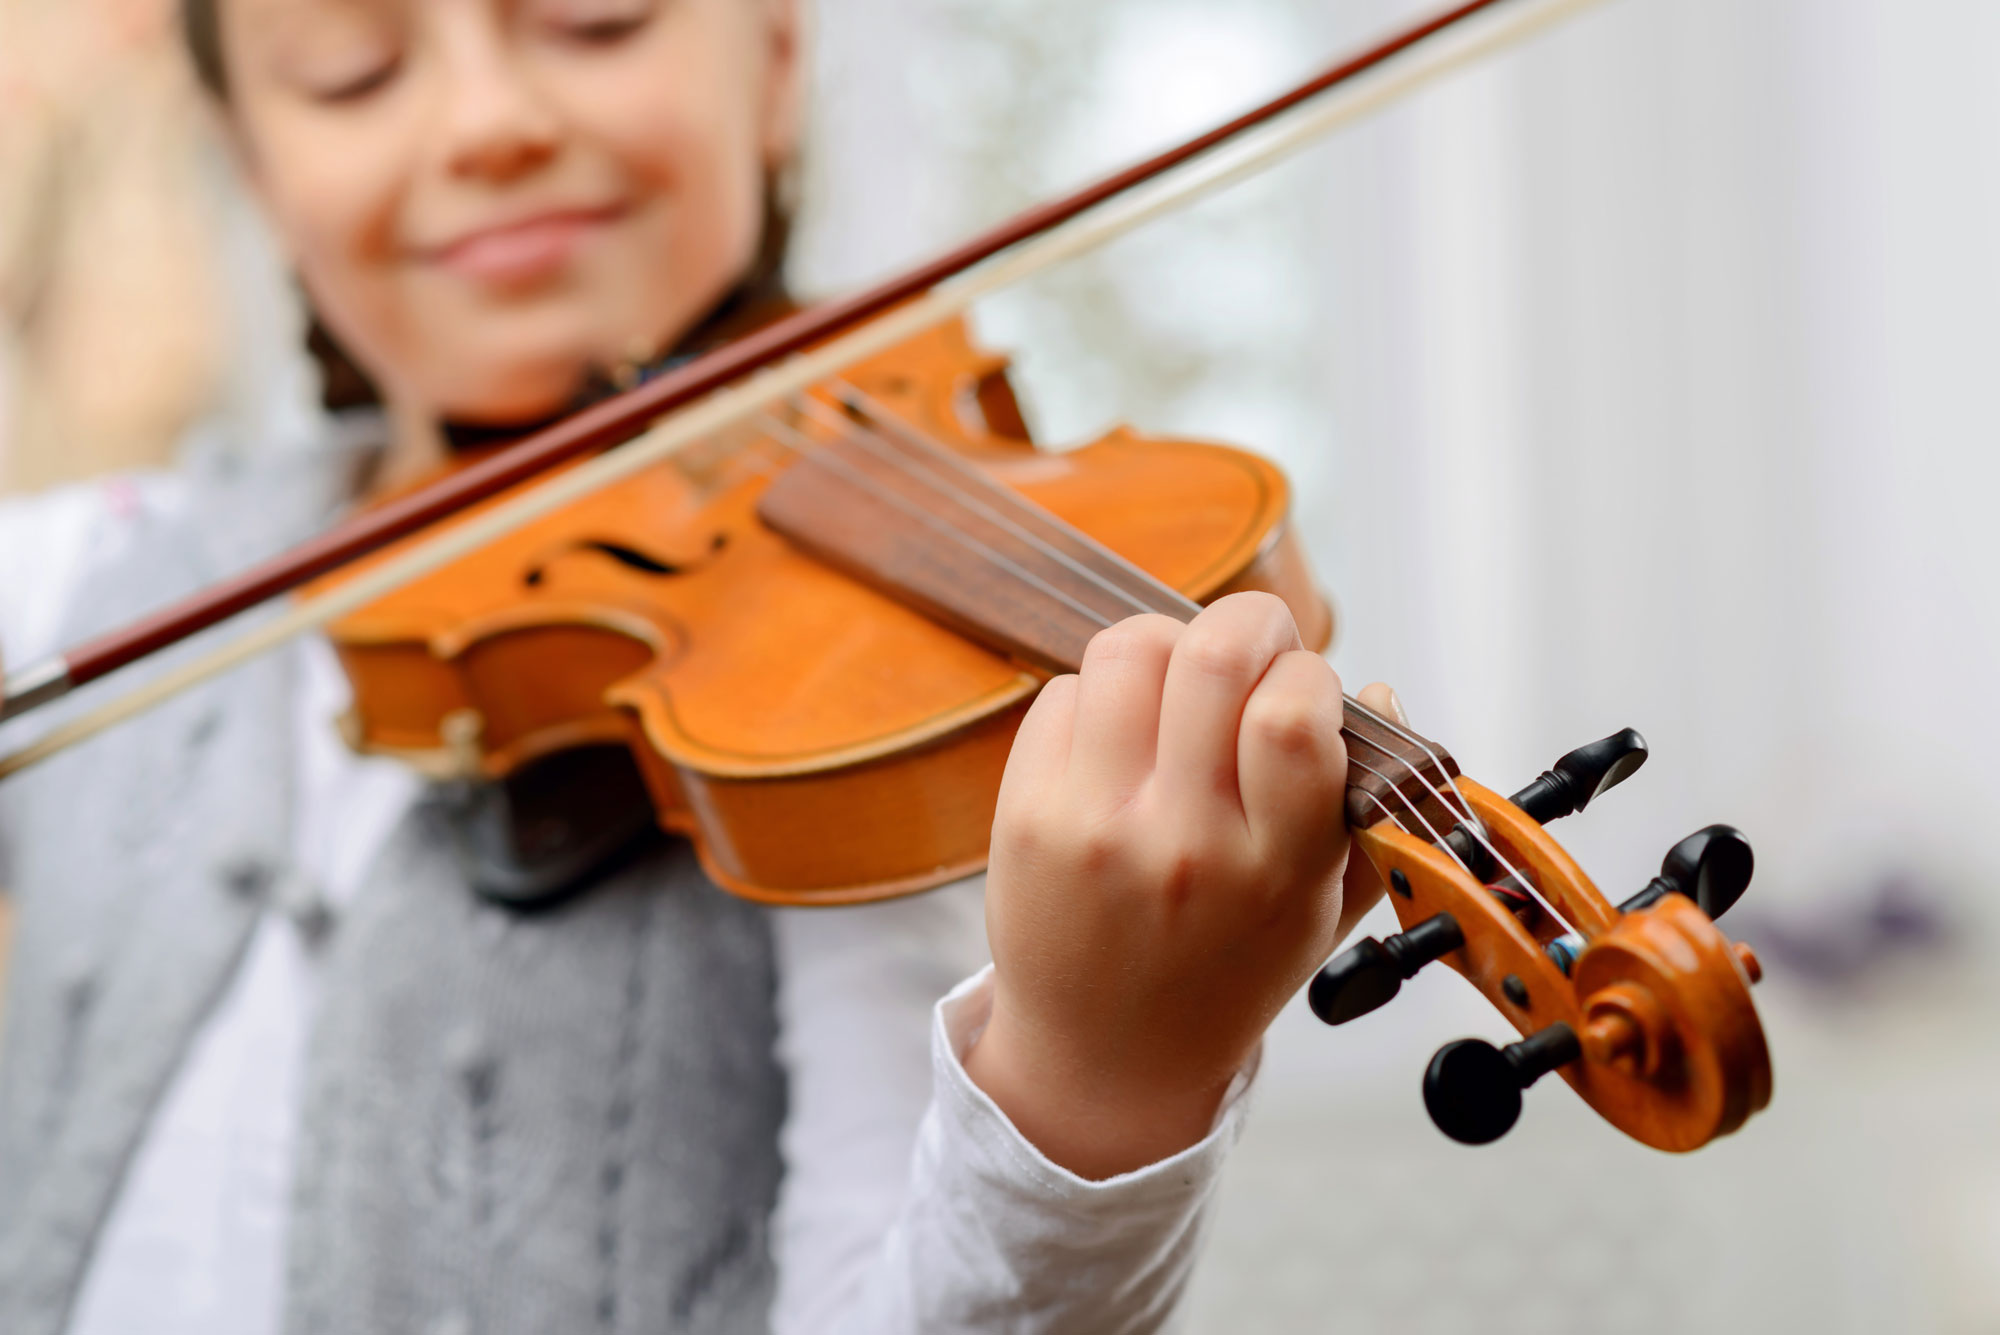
<point x="1291" y="763"/>
<point x="1220" y="658"/>
<point x="1118" y="701"/>
<point x="1362" y="887"/>
<point x="1378" y="697"/>
<point x="1042" y="743"/>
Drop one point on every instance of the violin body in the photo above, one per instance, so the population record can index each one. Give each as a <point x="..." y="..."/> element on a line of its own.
<point x="817" y="739"/>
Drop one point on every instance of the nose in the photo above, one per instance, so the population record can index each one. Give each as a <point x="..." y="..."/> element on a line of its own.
<point x="496" y="125"/>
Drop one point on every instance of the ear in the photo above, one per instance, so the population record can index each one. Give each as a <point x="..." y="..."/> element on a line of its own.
<point x="785" y="79"/>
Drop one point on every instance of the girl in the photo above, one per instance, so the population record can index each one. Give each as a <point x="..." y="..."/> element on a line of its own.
<point x="271" y="1061"/>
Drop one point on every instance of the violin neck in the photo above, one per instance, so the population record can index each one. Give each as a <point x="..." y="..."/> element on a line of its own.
<point x="916" y="521"/>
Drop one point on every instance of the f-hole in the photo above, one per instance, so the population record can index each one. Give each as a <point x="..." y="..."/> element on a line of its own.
<point x="625" y="554"/>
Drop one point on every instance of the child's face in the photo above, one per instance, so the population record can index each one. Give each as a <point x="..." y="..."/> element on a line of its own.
<point x="486" y="197"/>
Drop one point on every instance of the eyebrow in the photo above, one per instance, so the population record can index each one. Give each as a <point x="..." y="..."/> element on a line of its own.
<point x="281" y="32"/>
<point x="271" y="20"/>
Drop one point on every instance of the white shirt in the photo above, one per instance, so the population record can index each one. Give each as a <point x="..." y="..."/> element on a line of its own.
<point x="909" y="1202"/>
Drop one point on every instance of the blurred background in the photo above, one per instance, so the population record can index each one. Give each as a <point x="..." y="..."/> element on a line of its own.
<point x="1644" y="375"/>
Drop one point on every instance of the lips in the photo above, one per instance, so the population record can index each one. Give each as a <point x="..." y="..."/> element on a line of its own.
<point x="523" y="251"/>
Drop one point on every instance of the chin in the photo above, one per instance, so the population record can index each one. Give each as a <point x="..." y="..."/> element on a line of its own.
<point x="527" y="390"/>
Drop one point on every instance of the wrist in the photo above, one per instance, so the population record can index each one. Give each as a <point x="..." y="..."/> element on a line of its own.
<point x="1087" y="1116"/>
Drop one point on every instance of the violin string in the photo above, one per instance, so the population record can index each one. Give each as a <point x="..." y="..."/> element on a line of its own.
<point x="870" y="441"/>
<point x="881" y="412"/>
<point x="1398" y="821"/>
<point x="860" y="434"/>
<point x="1463" y="808"/>
<point x="803" y="444"/>
<point x="1416" y="809"/>
<point x="1391" y="756"/>
<point x="1525" y="896"/>
<point x="1471" y="822"/>
<point x="859" y="431"/>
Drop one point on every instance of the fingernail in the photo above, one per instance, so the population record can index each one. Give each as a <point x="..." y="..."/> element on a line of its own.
<point x="1396" y="707"/>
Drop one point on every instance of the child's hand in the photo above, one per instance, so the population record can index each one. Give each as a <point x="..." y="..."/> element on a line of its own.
<point x="1166" y="873"/>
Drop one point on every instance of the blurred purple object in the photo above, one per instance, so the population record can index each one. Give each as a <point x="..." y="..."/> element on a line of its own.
<point x="1842" y="943"/>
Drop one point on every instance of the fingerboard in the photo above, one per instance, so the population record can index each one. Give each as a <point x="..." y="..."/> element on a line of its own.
<point x="919" y="523"/>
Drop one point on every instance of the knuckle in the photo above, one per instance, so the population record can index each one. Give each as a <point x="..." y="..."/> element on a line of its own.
<point x="1266" y="613"/>
<point x="1185" y="868"/>
<point x="1096" y="847"/>
<point x="1134" y="639"/>
<point x="1018" y="829"/>
<point x="1291" y="725"/>
<point x="1062" y="842"/>
<point x="1018" y="841"/>
<point x="1180" y="877"/>
<point x="1211" y="653"/>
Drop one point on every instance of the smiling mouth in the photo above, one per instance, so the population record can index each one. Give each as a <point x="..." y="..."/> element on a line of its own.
<point x="526" y="251"/>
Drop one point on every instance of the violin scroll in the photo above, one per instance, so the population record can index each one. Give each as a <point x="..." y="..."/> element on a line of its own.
<point x="1643" y="1009"/>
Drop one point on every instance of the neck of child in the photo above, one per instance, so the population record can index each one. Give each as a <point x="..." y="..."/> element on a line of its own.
<point x="417" y="447"/>
<point x="421" y="444"/>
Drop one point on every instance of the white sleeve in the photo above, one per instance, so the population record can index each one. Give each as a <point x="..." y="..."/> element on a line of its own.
<point x="911" y="1204"/>
<point x="855" y="991"/>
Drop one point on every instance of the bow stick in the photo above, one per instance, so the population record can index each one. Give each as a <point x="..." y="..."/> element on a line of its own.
<point x="745" y="377"/>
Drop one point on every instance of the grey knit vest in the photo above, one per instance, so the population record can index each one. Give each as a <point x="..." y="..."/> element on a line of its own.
<point x="564" y="1121"/>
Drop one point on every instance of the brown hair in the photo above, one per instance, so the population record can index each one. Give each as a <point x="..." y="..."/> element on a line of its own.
<point x="343" y="384"/>
<point x="201" y="29"/>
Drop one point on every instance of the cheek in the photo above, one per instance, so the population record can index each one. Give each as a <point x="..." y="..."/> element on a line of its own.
<point x="336" y="210"/>
<point x="689" y="147"/>
<point x="331" y="253"/>
<point x="676" y="129"/>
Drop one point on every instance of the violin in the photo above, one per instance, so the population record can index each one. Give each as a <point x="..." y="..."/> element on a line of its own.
<point x="816" y="636"/>
<point x="814" y="597"/>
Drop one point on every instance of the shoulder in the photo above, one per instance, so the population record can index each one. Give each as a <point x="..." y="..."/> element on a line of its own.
<point x="51" y="542"/>
<point x="138" y="539"/>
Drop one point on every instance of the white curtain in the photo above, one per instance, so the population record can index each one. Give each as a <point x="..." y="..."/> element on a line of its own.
<point x="1645" y="375"/>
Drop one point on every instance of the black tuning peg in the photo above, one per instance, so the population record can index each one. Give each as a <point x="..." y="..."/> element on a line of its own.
<point x="1564" y="790"/>
<point x="1473" y="1089"/>
<point x="1712" y="867"/>
<point x="1583" y="775"/>
<point x="1369" y="973"/>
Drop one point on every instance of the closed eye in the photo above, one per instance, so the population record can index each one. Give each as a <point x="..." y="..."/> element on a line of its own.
<point x="606" y="31"/>
<point x="354" y="89"/>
